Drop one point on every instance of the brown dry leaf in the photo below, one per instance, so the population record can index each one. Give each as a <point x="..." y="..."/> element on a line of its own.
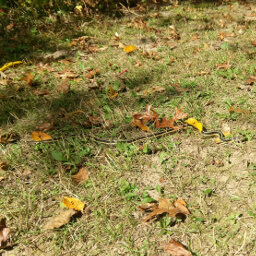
<point x="81" y="176"/>
<point x="254" y="42"/>
<point x="40" y="136"/>
<point x="222" y="35"/>
<point x="140" y="124"/>
<point x="28" y="78"/>
<point x="165" y="206"/>
<point x="170" y="123"/>
<point x="224" y="65"/>
<point x="69" y="115"/>
<point x="178" y="88"/>
<point x="3" y="166"/>
<point x="41" y="93"/>
<point x="174" y="248"/>
<point x="113" y="93"/>
<point x="239" y="110"/>
<point x="64" y="87"/>
<point x="138" y="64"/>
<point x="8" y="138"/>
<point x="4" y="233"/>
<point x="1" y="178"/>
<point x="92" y="120"/>
<point x="46" y="126"/>
<point x="67" y="74"/>
<point x="92" y="73"/>
<point x="202" y="73"/>
<point x="60" y="220"/>
<point x="251" y="80"/>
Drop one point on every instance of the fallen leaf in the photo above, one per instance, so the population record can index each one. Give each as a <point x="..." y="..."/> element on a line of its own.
<point x="92" y="120"/>
<point x="40" y="136"/>
<point x="60" y="220"/>
<point x="10" y="64"/>
<point x="81" y="176"/>
<point x="92" y="73"/>
<point x="28" y="78"/>
<point x="67" y="74"/>
<point x="254" y="42"/>
<point x="174" y="248"/>
<point x="42" y="93"/>
<point x="1" y="178"/>
<point x="113" y="93"/>
<point x="46" y="126"/>
<point x="130" y="48"/>
<point x="3" y="166"/>
<point x="193" y="122"/>
<point x="4" y="233"/>
<point x="178" y="88"/>
<point x="165" y="206"/>
<point x="232" y="109"/>
<point x="251" y="80"/>
<point x="64" y="87"/>
<point x="224" y="65"/>
<point x="138" y="64"/>
<point x="73" y="203"/>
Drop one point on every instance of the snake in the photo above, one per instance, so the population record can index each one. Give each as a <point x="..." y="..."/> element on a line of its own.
<point x="204" y="131"/>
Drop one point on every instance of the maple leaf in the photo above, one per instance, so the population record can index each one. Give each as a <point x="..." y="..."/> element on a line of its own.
<point x="28" y="78"/>
<point x="4" y="233"/>
<point x="174" y="248"/>
<point x="60" y="220"/>
<point x="81" y="176"/>
<point x="165" y="206"/>
<point x="224" y="65"/>
<point x="170" y="123"/>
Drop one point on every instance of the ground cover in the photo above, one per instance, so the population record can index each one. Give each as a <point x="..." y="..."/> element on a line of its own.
<point x="82" y="83"/>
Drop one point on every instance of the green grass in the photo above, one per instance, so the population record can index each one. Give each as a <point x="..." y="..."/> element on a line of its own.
<point x="220" y="198"/>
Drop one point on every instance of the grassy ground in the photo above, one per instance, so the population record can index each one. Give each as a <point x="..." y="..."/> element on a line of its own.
<point x="179" y="49"/>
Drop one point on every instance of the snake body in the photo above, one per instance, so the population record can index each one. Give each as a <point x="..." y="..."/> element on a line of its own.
<point x="219" y="134"/>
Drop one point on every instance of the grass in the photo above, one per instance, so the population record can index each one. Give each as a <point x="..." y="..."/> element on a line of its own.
<point x="220" y="198"/>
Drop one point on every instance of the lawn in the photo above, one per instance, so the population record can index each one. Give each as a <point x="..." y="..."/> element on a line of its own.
<point x="77" y="81"/>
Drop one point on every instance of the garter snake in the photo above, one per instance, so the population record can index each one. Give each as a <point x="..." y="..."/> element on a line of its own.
<point x="219" y="135"/>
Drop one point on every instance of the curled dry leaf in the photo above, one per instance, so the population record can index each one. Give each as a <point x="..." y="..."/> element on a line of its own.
<point x="67" y="74"/>
<point x="193" y="122"/>
<point x="40" y="136"/>
<point x="64" y="87"/>
<point x="46" y="126"/>
<point x="73" y="203"/>
<point x="165" y="206"/>
<point x="113" y="93"/>
<point x="4" y="233"/>
<point x="92" y="73"/>
<point x="224" y="65"/>
<point x="174" y="248"/>
<point x="3" y="166"/>
<point x="60" y="220"/>
<point x="81" y="176"/>
<point x="28" y="78"/>
<point x="232" y="109"/>
<point x="251" y="80"/>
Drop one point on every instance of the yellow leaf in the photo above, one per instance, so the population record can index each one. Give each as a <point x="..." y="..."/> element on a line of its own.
<point x="130" y="48"/>
<point x="73" y="203"/>
<point x="10" y="64"/>
<point x="194" y="123"/>
<point x="39" y="136"/>
<point x="113" y="93"/>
